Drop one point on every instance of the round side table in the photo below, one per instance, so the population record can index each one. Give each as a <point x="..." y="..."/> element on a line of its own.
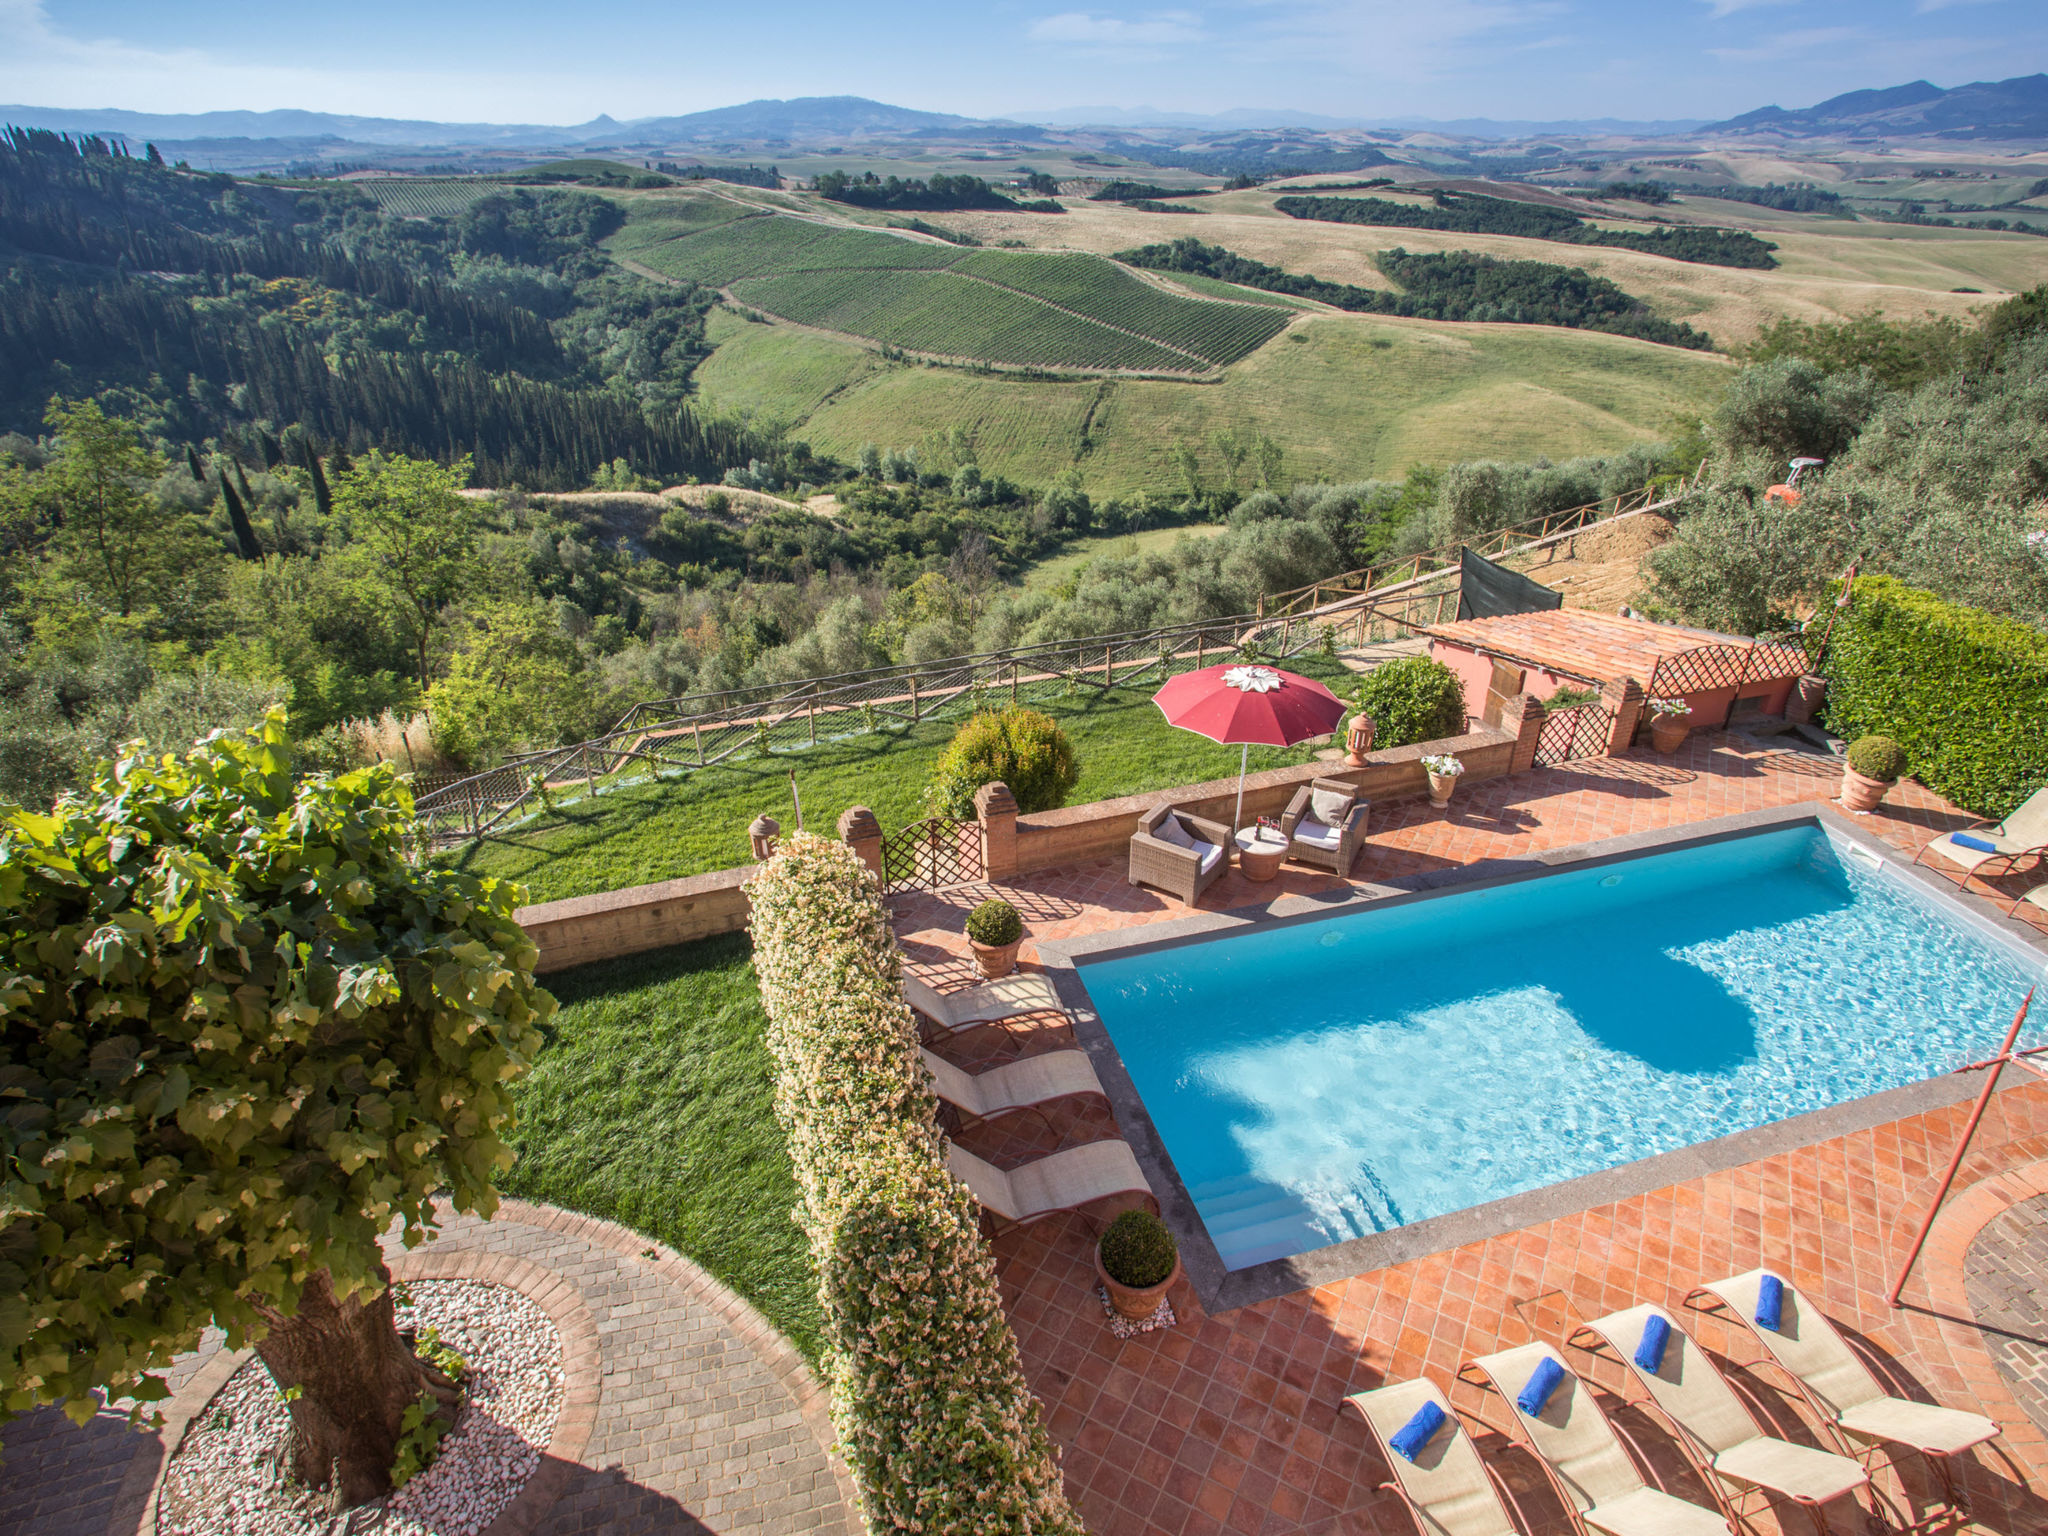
<point x="1260" y="853"/>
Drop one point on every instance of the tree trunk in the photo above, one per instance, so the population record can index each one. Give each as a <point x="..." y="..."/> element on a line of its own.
<point x="356" y="1378"/>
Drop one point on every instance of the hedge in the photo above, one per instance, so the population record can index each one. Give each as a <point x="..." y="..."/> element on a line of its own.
<point x="935" y="1420"/>
<point x="1965" y="692"/>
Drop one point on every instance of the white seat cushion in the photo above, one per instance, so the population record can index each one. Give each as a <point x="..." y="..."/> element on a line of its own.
<point x="1210" y="854"/>
<point x="1967" y="858"/>
<point x="1316" y="835"/>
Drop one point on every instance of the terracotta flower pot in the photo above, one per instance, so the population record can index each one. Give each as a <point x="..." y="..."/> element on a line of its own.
<point x="1137" y="1302"/>
<point x="1358" y="741"/>
<point x="1861" y="793"/>
<point x="1440" y="787"/>
<point x="1668" y="732"/>
<point x="995" y="960"/>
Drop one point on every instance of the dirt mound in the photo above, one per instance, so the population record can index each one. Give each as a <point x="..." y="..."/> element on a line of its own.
<point x="1601" y="568"/>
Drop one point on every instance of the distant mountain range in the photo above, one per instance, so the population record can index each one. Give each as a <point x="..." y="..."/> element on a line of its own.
<point x="1252" y="117"/>
<point x="812" y="116"/>
<point x="1987" y="109"/>
<point x="1998" y="110"/>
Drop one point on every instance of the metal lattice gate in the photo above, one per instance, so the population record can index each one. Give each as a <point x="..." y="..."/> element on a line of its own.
<point x="930" y="855"/>
<point x="1570" y="734"/>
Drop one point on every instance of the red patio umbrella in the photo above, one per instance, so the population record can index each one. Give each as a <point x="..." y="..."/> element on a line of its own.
<point x="1240" y="703"/>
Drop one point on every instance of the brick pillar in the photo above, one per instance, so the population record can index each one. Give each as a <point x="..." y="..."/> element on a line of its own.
<point x="859" y="830"/>
<point x="996" y="809"/>
<point x="1524" y="715"/>
<point x="1625" y="697"/>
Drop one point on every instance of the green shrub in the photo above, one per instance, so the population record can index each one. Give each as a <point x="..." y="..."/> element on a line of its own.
<point x="934" y="1417"/>
<point x="1138" y="1250"/>
<point x="995" y="922"/>
<point x="1877" y="757"/>
<point x="1413" y="699"/>
<point x="1022" y="748"/>
<point x="1963" y="693"/>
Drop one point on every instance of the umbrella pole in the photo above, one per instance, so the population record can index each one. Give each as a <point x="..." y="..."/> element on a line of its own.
<point x="1237" y="815"/>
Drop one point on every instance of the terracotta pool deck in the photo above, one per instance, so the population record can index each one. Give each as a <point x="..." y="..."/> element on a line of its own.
<point x="1230" y="1423"/>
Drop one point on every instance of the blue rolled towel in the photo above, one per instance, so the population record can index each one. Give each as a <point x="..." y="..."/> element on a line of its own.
<point x="1542" y="1382"/>
<point x="1770" y="1303"/>
<point x="1411" y="1437"/>
<point x="1650" y="1351"/>
<point x="1964" y="840"/>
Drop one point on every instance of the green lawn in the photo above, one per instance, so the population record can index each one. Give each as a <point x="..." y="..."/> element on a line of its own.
<point x="651" y="1105"/>
<point x="637" y="832"/>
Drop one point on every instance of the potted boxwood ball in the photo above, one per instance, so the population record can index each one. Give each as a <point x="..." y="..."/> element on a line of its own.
<point x="994" y="930"/>
<point x="1872" y="767"/>
<point x="1136" y="1261"/>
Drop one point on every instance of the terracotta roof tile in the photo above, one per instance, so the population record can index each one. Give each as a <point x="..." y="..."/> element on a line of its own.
<point x="1600" y="646"/>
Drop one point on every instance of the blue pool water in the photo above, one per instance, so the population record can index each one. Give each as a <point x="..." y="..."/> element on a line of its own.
<point x="1328" y="1080"/>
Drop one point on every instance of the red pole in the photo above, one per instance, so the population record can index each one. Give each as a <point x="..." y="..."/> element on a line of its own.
<point x="1997" y="1067"/>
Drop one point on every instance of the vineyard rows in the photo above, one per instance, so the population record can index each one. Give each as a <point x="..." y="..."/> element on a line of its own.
<point x="926" y="297"/>
<point x="1104" y="291"/>
<point x="954" y="316"/>
<point x="422" y="198"/>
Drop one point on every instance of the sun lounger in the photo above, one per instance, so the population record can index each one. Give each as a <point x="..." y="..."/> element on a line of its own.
<point x="1050" y="1186"/>
<point x="1447" y="1488"/>
<point x="1840" y="1387"/>
<point x="1017" y="1087"/>
<point x="990" y="1005"/>
<point x="1591" y="1471"/>
<point x="2021" y="837"/>
<point x="1692" y="1397"/>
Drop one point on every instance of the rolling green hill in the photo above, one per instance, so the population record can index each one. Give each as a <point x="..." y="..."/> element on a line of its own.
<point x="1054" y="310"/>
<point x="1351" y="399"/>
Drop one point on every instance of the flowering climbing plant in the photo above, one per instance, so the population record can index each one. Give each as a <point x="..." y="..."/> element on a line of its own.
<point x="934" y="1416"/>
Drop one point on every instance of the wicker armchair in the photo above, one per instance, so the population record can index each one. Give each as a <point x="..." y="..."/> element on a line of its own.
<point x="1311" y="841"/>
<point x="1182" y="872"/>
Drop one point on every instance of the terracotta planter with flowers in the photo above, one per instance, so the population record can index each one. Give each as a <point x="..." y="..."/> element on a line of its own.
<point x="1443" y="774"/>
<point x="1670" y="724"/>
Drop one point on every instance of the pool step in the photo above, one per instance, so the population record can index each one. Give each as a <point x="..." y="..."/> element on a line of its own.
<point x="1251" y="1220"/>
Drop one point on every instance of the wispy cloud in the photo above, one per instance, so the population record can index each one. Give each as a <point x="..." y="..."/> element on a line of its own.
<point x="1719" y="8"/>
<point x="1085" y="29"/>
<point x="1924" y="6"/>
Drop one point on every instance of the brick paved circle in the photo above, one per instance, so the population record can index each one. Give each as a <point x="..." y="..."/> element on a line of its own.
<point x="2006" y="1276"/>
<point x="686" y="1412"/>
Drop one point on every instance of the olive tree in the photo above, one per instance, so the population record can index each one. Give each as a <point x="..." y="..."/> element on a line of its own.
<point x="241" y="1037"/>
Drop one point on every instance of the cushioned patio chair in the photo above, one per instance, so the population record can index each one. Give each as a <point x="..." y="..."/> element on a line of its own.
<point x="992" y="1005"/>
<point x="1180" y="854"/>
<point x="1051" y="1186"/>
<point x="2021" y="838"/>
<point x="1325" y="824"/>
<point x="1727" y="1446"/>
<point x="1581" y="1451"/>
<point x="1019" y="1087"/>
<point x="1447" y="1488"/>
<point x="1839" y="1385"/>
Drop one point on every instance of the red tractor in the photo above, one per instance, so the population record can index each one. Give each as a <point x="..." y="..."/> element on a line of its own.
<point x="1788" y="492"/>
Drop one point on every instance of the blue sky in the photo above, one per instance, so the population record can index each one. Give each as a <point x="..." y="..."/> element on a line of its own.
<point x="521" y="61"/>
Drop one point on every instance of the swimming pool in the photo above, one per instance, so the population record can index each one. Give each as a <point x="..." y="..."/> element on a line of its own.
<point x="1323" y="1081"/>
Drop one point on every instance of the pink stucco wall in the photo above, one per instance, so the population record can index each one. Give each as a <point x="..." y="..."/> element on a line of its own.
<point x="1710" y="706"/>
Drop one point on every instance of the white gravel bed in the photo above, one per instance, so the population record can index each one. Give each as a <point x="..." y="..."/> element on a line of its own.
<point x="225" y="1479"/>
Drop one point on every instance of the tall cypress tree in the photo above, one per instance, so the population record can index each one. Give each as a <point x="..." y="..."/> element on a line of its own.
<point x="238" y="519"/>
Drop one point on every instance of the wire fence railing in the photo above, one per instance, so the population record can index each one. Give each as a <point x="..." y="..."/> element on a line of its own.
<point x="703" y="730"/>
<point x="668" y="736"/>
